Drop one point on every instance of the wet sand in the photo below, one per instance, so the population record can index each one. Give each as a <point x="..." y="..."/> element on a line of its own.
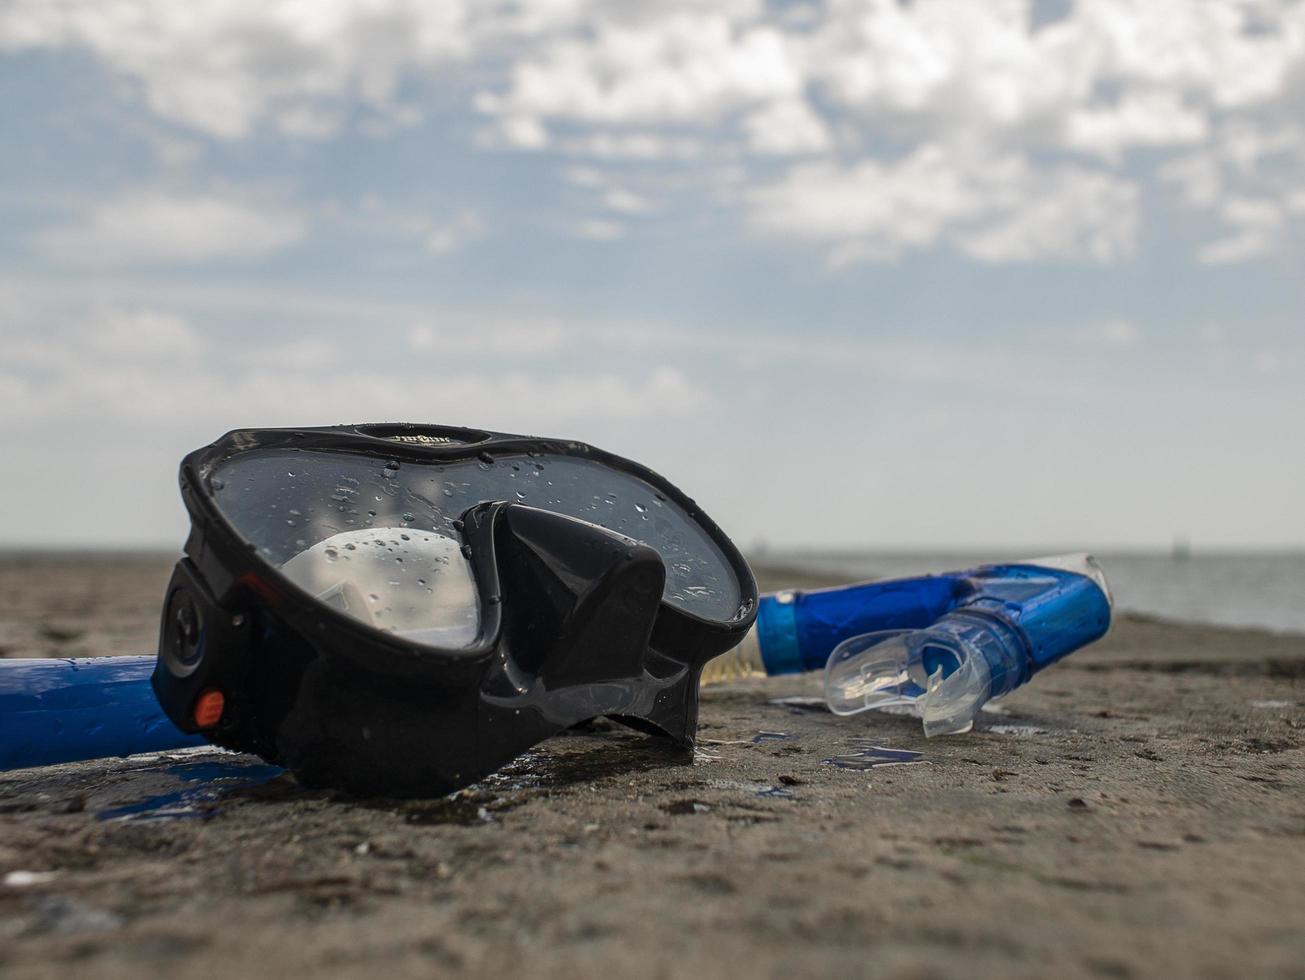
<point x="1138" y="810"/>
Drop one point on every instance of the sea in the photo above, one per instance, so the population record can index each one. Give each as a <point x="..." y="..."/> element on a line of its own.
<point x="1260" y="590"/>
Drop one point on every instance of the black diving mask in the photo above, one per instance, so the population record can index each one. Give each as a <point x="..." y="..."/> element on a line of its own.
<point x="402" y="609"/>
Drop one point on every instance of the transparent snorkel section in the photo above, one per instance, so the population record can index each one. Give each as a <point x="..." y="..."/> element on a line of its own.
<point x="1016" y="620"/>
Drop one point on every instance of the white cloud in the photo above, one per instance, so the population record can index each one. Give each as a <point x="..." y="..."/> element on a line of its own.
<point x="519" y="338"/>
<point x="223" y="67"/>
<point x="297" y="354"/>
<point x="633" y="146"/>
<point x="374" y="216"/>
<point x="738" y="83"/>
<point x="598" y="230"/>
<point x="1198" y="177"/>
<point x="993" y="208"/>
<point x="1068" y="214"/>
<point x="290" y="392"/>
<point x="76" y="360"/>
<point x="1108" y="334"/>
<point x="1257" y="223"/>
<point x="143" y="333"/>
<point x="874" y="209"/>
<point x="680" y="66"/>
<point x="465" y="226"/>
<point x="160" y="227"/>
<point x="627" y="202"/>
<point x="974" y="65"/>
<point x="787" y="127"/>
<point x="1148" y="118"/>
<point x="523" y="132"/>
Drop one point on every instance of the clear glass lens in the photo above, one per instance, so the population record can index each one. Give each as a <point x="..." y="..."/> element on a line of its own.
<point x="414" y="583"/>
<point x="288" y="503"/>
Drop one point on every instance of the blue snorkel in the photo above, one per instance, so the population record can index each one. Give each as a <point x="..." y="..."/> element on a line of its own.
<point x="54" y="711"/>
<point x="941" y="646"/>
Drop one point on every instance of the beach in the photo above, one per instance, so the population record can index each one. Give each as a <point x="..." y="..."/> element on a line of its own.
<point x="1137" y="810"/>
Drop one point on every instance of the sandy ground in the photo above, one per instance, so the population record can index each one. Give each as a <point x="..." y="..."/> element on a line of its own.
<point x="1138" y="810"/>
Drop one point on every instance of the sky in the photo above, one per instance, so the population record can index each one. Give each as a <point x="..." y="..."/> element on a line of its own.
<point x="859" y="274"/>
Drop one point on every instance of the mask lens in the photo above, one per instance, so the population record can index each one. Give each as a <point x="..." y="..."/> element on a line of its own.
<point x="413" y="583"/>
<point x="293" y="503"/>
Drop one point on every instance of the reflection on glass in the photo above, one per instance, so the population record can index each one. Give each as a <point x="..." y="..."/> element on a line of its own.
<point x="398" y="579"/>
<point x="286" y="502"/>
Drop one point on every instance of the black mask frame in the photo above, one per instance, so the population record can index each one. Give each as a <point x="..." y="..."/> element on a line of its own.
<point x="574" y="625"/>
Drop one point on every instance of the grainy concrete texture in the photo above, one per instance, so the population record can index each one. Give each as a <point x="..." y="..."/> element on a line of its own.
<point x="1139" y="810"/>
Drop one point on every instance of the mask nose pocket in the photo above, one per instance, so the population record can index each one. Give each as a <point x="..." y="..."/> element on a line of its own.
<point x="582" y="599"/>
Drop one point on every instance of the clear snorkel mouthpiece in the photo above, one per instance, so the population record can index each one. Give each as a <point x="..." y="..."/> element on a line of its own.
<point x="1017" y="619"/>
<point x="936" y="674"/>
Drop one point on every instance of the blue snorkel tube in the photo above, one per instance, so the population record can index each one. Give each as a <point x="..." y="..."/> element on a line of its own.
<point x="940" y="646"/>
<point x="54" y="711"/>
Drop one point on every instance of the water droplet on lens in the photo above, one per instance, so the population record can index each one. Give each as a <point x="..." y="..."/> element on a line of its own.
<point x="216" y="484"/>
<point x="641" y="508"/>
<point x="331" y="554"/>
<point x="408" y="518"/>
<point x="521" y="495"/>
